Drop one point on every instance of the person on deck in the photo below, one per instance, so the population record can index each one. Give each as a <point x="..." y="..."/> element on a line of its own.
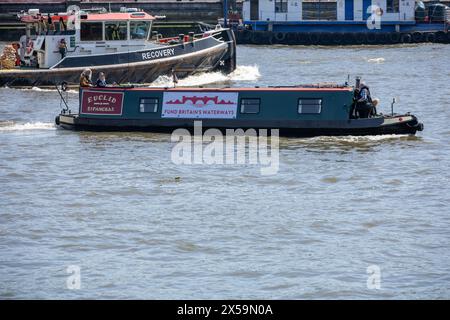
<point x="50" y="26"/>
<point x="109" y="32"/>
<point x="85" y="78"/>
<point x="365" y="106"/>
<point x="62" y="48"/>
<point x="115" y="33"/>
<point x="101" y="81"/>
<point x="62" y="25"/>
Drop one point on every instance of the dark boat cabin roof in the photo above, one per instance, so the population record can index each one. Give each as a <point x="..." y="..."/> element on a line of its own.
<point x="235" y="89"/>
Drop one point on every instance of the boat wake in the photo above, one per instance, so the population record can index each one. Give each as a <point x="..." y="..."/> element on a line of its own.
<point x="242" y="73"/>
<point x="376" y="60"/>
<point x="357" y="139"/>
<point x="12" y="126"/>
<point x="341" y="143"/>
<point x="37" y="89"/>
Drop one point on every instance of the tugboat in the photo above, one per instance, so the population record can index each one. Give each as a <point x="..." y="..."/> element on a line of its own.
<point x="122" y="45"/>
<point x="302" y="111"/>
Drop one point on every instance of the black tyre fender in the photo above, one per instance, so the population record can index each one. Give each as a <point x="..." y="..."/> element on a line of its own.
<point x="371" y="37"/>
<point x="269" y="38"/>
<point x="417" y="37"/>
<point x="315" y="37"/>
<point x="360" y="38"/>
<point x="327" y="38"/>
<point x="246" y="35"/>
<point x="382" y="38"/>
<point x="406" y="38"/>
<point x="291" y="38"/>
<point x="303" y="38"/>
<point x="395" y="37"/>
<point x="280" y="36"/>
<point x="441" y="37"/>
<point x="336" y="37"/>
<point x="347" y="38"/>
<point x="257" y="37"/>
<point x="430" y="37"/>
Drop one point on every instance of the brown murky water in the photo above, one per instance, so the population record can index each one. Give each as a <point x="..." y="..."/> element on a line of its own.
<point x="110" y="203"/>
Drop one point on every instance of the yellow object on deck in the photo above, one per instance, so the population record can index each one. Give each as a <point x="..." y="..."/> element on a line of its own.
<point x="8" y="58"/>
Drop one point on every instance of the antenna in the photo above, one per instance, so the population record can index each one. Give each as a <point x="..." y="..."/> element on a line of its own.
<point x="392" y="106"/>
<point x="174" y="78"/>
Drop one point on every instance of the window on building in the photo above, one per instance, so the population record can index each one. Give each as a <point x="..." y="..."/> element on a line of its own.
<point x="250" y="105"/>
<point x="148" y="105"/>
<point x="281" y="6"/>
<point x="319" y="10"/>
<point x="116" y="30"/>
<point x="139" y="29"/>
<point x="392" y="6"/>
<point x="91" y="31"/>
<point x="309" y="106"/>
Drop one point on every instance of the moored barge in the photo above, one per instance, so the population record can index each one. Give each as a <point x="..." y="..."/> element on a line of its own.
<point x="343" y="22"/>
<point x="302" y="111"/>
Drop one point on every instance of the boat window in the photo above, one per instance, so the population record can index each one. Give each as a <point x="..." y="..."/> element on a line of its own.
<point x="319" y="10"/>
<point x="309" y="106"/>
<point x="250" y="105"/>
<point x="148" y="105"/>
<point x="392" y="6"/>
<point x="281" y="6"/>
<point x="139" y="29"/>
<point x="116" y="30"/>
<point x="91" y="31"/>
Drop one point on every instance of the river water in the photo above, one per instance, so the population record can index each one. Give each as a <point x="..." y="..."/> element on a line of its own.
<point x="115" y="207"/>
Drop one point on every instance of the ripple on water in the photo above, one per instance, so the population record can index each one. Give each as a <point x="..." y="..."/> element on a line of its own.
<point x="140" y="226"/>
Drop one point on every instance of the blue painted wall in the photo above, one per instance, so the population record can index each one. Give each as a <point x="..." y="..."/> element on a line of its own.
<point x="349" y="9"/>
<point x="366" y="4"/>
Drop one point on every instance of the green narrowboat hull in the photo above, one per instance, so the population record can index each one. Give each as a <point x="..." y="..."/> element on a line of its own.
<point x="277" y="108"/>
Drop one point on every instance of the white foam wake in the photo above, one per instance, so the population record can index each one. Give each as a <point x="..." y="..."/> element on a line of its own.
<point x="356" y="139"/>
<point x="37" y="89"/>
<point x="376" y="60"/>
<point x="242" y="73"/>
<point x="12" y="126"/>
<point x="47" y="90"/>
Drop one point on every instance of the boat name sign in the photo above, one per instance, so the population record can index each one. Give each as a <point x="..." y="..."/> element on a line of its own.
<point x="101" y="103"/>
<point x="158" y="53"/>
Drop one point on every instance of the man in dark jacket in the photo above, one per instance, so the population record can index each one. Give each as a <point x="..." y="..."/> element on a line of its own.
<point x="364" y="104"/>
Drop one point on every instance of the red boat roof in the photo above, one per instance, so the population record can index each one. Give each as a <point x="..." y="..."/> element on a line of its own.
<point x="118" y="16"/>
<point x="333" y="89"/>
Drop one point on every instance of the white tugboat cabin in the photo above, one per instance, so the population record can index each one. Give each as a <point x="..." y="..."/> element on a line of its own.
<point x="84" y="34"/>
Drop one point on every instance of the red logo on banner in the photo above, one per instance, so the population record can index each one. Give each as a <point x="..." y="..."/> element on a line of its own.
<point x="100" y="102"/>
<point x="195" y="100"/>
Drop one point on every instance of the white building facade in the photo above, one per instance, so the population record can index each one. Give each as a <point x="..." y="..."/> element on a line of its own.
<point x="327" y="10"/>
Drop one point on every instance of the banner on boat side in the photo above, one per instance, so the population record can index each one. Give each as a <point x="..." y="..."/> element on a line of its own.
<point x="102" y="103"/>
<point x="200" y="105"/>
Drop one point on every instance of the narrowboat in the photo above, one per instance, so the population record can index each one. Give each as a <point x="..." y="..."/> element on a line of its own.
<point x="303" y="111"/>
<point x="120" y="44"/>
<point x="343" y="22"/>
